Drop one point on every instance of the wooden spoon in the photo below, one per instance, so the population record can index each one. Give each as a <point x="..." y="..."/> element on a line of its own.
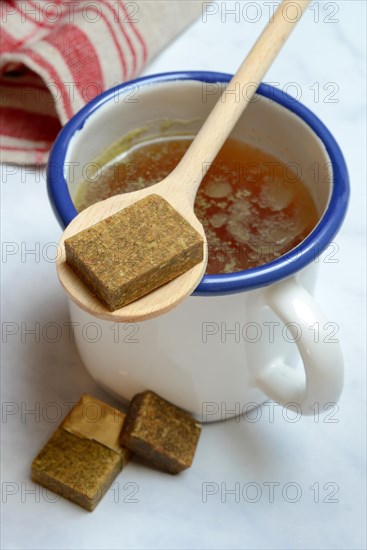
<point x="180" y="186"/>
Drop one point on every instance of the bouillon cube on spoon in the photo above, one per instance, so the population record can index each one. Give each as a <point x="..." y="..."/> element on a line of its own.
<point x="137" y="255"/>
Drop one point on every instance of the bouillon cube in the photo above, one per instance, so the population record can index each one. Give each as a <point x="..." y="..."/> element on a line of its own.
<point x="253" y="207"/>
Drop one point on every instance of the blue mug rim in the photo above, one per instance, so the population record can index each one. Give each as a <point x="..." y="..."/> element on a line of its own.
<point x="284" y="266"/>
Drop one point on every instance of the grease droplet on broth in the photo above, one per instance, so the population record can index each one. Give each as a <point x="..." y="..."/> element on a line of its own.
<point x="217" y="189"/>
<point x="218" y="220"/>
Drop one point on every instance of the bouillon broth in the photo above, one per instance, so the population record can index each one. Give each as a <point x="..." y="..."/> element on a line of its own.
<point x="253" y="207"/>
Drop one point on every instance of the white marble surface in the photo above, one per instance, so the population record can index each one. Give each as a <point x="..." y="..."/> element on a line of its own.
<point x="325" y="453"/>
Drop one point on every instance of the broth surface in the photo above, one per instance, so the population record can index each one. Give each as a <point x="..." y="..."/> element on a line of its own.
<point x="252" y="206"/>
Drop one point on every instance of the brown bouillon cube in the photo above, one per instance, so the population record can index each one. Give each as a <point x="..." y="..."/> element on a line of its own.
<point x="160" y="432"/>
<point x="83" y="456"/>
<point x="134" y="251"/>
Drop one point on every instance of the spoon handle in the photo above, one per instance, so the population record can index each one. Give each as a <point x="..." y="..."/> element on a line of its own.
<point x="228" y="109"/>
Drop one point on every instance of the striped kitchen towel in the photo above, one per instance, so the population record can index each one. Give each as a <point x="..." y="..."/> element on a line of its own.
<point x="57" y="55"/>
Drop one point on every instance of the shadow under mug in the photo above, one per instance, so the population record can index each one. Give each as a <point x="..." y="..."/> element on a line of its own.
<point x="237" y="340"/>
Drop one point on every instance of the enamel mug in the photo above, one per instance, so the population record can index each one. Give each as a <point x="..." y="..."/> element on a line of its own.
<point x="241" y="338"/>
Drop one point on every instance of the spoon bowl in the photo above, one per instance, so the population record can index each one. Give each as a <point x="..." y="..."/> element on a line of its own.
<point x="156" y="302"/>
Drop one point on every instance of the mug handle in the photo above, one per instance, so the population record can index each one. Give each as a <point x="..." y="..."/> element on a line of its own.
<point x="322" y="359"/>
